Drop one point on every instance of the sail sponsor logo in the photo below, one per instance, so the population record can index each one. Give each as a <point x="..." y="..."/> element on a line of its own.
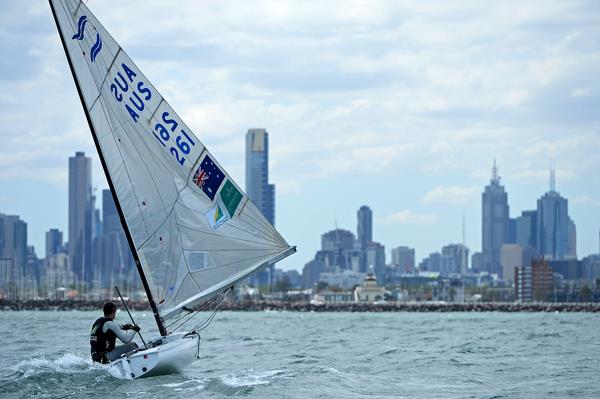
<point x="130" y="91"/>
<point x="216" y="217"/>
<point x="230" y="196"/>
<point x="97" y="47"/>
<point x="208" y="177"/>
<point x="80" y="27"/>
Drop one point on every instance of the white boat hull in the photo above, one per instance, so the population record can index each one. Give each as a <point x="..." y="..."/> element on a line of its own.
<point x="172" y="355"/>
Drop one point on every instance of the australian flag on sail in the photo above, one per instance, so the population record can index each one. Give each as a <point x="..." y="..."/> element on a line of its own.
<point x="208" y="177"/>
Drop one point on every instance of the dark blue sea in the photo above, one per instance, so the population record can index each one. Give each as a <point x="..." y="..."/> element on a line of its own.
<point x="322" y="355"/>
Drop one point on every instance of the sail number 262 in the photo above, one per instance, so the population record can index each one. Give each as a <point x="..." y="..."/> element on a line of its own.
<point x="183" y="142"/>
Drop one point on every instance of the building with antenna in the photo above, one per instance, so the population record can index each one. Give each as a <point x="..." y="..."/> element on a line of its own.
<point x="556" y="235"/>
<point x="495" y="223"/>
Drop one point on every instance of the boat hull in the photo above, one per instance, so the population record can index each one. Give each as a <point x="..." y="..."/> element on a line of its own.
<point x="167" y="355"/>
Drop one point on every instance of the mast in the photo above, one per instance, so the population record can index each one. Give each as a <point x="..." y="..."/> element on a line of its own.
<point x="161" y="326"/>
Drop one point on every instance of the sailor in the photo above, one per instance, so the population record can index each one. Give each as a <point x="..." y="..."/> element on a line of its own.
<point x="104" y="335"/>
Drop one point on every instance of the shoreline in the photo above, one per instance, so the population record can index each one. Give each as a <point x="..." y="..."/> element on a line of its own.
<point x="258" y="306"/>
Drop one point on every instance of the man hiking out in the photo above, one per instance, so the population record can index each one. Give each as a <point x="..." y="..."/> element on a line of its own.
<point x="104" y="335"/>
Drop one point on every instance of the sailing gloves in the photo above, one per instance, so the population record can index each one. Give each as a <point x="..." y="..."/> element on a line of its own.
<point x="133" y="327"/>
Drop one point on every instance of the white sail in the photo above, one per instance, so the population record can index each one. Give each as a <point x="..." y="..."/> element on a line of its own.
<point x="193" y="228"/>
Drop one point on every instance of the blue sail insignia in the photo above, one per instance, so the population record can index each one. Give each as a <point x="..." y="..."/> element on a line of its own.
<point x="80" y="27"/>
<point x="96" y="47"/>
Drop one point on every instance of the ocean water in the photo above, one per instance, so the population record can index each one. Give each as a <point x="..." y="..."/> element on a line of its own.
<point x="321" y="355"/>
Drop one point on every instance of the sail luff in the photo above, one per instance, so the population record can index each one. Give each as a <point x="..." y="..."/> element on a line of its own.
<point x="159" y="322"/>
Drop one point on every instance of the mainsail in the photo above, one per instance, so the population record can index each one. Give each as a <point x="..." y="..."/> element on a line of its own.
<point x="193" y="231"/>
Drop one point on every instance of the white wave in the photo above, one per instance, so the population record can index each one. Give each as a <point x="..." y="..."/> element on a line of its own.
<point x="250" y="378"/>
<point x="68" y="363"/>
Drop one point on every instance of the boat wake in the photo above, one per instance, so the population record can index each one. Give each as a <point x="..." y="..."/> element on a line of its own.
<point x="68" y="363"/>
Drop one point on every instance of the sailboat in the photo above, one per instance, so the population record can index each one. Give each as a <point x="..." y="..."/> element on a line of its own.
<point x="192" y="231"/>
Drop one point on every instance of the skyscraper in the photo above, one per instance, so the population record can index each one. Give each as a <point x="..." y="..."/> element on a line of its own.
<point x="555" y="230"/>
<point x="364" y="227"/>
<point x="495" y="223"/>
<point x="258" y="189"/>
<point x="80" y="216"/>
<point x="404" y="258"/>
<point x="117" y="261"/>
<point x="13" y="252"/>
<point x="54" y="242"/>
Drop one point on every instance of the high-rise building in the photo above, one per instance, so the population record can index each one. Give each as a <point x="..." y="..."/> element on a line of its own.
<point x="258" y="189"/>
<point x="117" y="263"/>
<point x="80" y="216"/>
<point x="54" y="242"/>
<point x="364" y="227"/>
<point x="533" y="282"/>
<point x="526" y="229"/>
<point x="404" y="259"/>
<point x="13" y="253"/>
<point x="555" y="230"/>
<point x="375" y="255"/>
<point x="495" y="223"/>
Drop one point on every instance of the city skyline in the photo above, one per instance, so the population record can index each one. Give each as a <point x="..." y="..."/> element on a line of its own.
<point x="356" y="116"/>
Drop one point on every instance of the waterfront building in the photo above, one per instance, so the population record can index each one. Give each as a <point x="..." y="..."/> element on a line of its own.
<point x="404" y="259"/>
<point x="258" y="189"/>
<point x="54" y="242"/>
<point x="533" y="282"/>
<point x="58" y="275"/>
<point x="495" y="223"/>
<point x="80" y="216"/>
<point x="369" y="291"/>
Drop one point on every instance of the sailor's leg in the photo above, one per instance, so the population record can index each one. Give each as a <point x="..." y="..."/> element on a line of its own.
<point x="119" y="350"/>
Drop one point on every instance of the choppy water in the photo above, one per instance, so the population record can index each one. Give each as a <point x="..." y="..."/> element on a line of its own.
<point x="337" y="355"/>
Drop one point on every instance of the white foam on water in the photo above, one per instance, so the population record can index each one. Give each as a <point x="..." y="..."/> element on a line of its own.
<point x="68" y="363"/>
<point x="250" y="378"/>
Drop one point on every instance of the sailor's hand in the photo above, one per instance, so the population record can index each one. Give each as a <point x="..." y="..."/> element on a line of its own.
<point x="127" y="326"/>
<point x="136" y="328"/>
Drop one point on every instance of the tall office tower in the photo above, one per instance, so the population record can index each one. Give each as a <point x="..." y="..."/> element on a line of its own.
<point x="13" y="253"/>
<point x="404" y="259"/>
<point x="555" y="230"/>
<point x="80" y="216"/>
<point x="54" y="242"/>
<point x="495" y="224"/>
<point x="364" y="227"/>
<point x="258" y="189"/>
<point x="526" y="229"/>
<point x="117" y="260"/>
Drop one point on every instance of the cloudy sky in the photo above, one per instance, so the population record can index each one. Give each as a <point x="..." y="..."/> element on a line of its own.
<point x="398" y="105"/>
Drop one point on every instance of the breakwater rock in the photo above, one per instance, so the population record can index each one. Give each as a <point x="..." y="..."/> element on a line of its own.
<point x="258" y="306"/>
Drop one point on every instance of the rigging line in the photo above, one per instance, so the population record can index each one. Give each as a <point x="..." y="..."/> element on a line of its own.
<point x="232" y="225"/>
<point x="222" y="250"/>
<point x="195" y="311"/>
<point x="204" y="325"/>
<point x="225" y="237"/>
<point x="270" y="226"/>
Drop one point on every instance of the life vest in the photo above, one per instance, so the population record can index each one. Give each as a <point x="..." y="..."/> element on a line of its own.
<point x="101" y="342"/>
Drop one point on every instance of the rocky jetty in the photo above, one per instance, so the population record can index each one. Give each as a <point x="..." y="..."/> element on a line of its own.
<point x="258" y="306"/>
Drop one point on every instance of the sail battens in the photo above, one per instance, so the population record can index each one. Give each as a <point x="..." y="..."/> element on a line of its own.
<point x="192" y="229"/>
